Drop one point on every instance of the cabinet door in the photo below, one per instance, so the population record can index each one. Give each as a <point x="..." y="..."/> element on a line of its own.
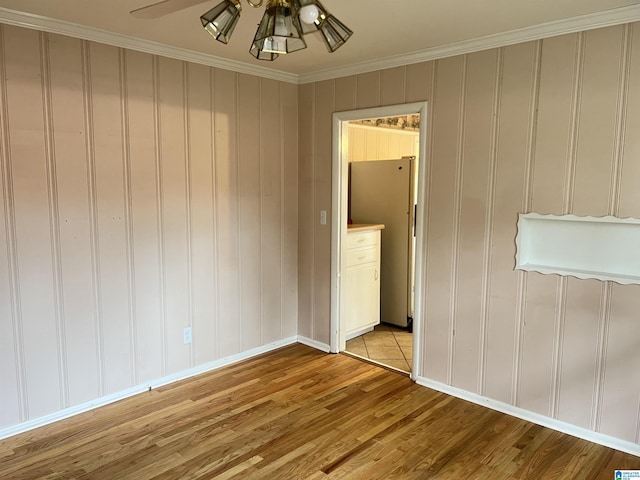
<point x="363" y="297"/>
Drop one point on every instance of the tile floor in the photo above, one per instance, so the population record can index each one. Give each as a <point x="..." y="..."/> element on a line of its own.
<point x="387" y="344"/>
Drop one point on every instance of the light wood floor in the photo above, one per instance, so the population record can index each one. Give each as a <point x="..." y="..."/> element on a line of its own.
<point x="299" y="413"/>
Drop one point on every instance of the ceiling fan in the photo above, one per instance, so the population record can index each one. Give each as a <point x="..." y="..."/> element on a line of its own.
<point x="281" y="30"/>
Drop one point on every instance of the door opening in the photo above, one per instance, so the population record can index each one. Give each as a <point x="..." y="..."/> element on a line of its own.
<point x="348" y="275"/>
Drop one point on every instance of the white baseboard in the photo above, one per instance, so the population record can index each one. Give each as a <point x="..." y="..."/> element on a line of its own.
<point x="129" y="392"/>
<point x="314" y="344"/>
<point x="580" y="432"/>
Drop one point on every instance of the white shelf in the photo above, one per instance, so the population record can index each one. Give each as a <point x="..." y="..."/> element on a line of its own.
<point x="603" y="248"/>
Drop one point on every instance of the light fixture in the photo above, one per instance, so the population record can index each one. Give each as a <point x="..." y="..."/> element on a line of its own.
<point x="282" y="26"/>
<point x="334" y="33"/>
<point x="221" y="20"/>
<point x="279" y="32"/>
<point x="316" y="17"/>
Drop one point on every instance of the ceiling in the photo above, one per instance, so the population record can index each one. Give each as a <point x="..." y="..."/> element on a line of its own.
<point x="383" y="30"/>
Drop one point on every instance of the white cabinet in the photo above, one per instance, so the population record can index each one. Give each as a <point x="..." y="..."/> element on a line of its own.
<point x="362" y="279"/>
<point x="384" y="191"/>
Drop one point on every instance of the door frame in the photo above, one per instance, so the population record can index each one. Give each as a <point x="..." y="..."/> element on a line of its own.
<point x="339" y="179"/>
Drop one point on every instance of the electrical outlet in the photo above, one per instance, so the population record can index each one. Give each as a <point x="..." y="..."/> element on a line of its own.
<point x="323" y="217"/>
<point x="186" y="335"/>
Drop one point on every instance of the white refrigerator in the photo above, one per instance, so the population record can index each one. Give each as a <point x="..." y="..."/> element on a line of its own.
<point x="384" y="191"/>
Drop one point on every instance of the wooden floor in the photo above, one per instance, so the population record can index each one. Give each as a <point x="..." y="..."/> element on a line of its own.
<point x="300" y="413"/>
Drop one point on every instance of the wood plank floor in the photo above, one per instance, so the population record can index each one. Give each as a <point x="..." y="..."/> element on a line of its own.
<point x="299" y="413"/>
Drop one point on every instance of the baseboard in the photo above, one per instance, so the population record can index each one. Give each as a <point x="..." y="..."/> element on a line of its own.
<point x="314" y="344"/>
<point x="580" y="432"/>
<point x="129" y="392"/>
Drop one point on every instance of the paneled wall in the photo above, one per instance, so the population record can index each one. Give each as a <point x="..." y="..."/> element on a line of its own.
<point x="371" y="143"/>
<point x="139" y="195"/>
<point x="549" y="126"/>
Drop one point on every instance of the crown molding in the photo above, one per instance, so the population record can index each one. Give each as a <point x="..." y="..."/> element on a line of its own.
<point x="591" y="21"/>
<point x="51" y="25"/>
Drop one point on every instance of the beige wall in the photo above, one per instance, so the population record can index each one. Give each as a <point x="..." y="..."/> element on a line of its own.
<point x="139" y="195"/>
<point x="550" y="127"/>
<point x="371" y="143"/>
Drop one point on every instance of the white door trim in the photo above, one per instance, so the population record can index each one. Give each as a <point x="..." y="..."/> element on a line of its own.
<point x="340" y="151"/>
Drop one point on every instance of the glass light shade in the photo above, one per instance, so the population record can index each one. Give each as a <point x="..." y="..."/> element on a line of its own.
<point x="221" y="20"/>
<point x="278" y="32"/>
<point x="261" y="55"/>
<point x="334" y="33"/>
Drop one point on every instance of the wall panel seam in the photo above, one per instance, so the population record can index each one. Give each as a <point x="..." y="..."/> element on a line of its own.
<point x="214" y="210"/>
<point x="532" y="136"/>
<point x="12" y="243"/>
<point x="574" y="128"/>
<point x="189" y="203"/>
<point x="93" y="210"/>
<point x="526" y="208"/>
<point x="453" y="295"/>
<point x="282" y="209"/>
<point x="157" y="124"/>
<point x="404" y="84"/>
<point x="333" y="109"/>
<point x="601" y="350"/>
<point x="313" y="210"/>
<point x="621" y="120"/>
<point x="559" y="329"/>
<point x="428" y="164"/>
<point x="54" y="217"/>
<point x="355" y="92"/>
<point x="489" y="224"/>
<point x="261" y="201"/>
<point x="238" y="193"/>
<point x="128" y="214"/>
<point x="519" y="340"/>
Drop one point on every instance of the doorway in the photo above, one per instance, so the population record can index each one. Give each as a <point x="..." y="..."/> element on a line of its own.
<point x="340" y="215"/>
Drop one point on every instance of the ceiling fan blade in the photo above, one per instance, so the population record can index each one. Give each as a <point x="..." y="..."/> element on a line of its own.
<point x="156" y="10"/>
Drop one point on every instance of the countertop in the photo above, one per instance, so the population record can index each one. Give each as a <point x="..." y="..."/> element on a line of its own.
<point x="361" y="227"/>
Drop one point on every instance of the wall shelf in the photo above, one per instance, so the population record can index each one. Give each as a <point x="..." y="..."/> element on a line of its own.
<point x="603" y="248"/>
